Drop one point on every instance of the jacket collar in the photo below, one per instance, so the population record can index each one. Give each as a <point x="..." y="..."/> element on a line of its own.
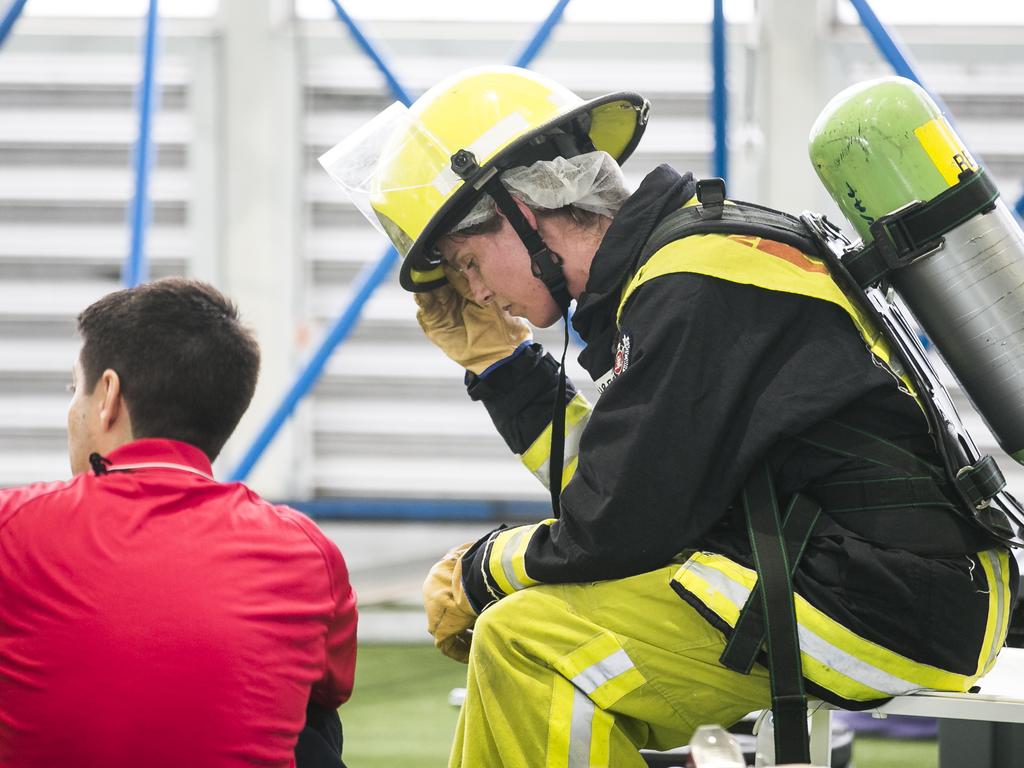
<point x="168" y="454"/>
<point x="662" y="191"/>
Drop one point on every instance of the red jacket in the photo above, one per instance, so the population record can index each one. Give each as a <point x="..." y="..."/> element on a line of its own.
<point x="153" y="616"/>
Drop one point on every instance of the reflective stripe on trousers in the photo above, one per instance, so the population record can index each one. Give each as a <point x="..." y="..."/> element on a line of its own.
<point x="835" y="658"/>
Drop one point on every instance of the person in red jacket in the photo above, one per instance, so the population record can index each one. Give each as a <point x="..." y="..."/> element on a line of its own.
<point x="150" y="615"/>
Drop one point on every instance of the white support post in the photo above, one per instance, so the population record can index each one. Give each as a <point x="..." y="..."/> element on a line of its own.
<point x="789" y="97"/>
<point x="260" y="184"/>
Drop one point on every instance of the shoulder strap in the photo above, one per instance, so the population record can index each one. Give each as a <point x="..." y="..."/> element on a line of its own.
<point x="735" y="218"/>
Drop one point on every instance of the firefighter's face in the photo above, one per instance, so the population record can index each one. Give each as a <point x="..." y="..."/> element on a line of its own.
<point x="497" y="267"/>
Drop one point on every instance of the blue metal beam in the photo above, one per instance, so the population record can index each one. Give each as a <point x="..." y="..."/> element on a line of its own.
<point x="370" y="50"/>
<point x="136" y="268"/>
<point x="720" y="97"/>
<point x="540" y="37"/>
<point x="7" y="24"/>
<point x="372" y="276"/>
<point x="891" y="48"/>
<point x="421" y="509"/>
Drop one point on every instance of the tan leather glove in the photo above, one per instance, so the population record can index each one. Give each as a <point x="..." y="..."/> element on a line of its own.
<point x="473" y="336"/>
<point x="450" y="617"/>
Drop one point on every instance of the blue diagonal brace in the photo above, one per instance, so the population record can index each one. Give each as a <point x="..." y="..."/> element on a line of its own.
<point x="7" y="24"/>
<point x="541" y="36"/>
<point x="375" y="56"/>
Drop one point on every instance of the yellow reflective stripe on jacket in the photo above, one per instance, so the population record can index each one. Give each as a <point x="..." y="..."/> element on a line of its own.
<point x="762" y="263"/>
<point x="506" y="561"/>
<point x="537" y="457"/>
<point x="995" y="564"/>
<point x="833" y="656"/>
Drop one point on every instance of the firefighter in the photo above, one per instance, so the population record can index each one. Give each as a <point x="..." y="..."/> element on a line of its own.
<point x="734" y="374"/>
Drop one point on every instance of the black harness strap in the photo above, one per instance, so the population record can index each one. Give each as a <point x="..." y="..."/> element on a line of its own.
<point x="882" y="493"/>
<point x="767" y="543"/>
<point x="846" y="440"/>
<point x="977" y="483"/>
<point x="737" y="218"/>
<point x="749" y="633"/>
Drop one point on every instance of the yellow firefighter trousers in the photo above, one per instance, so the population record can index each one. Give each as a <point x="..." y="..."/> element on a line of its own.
<point x="584" y="675"/>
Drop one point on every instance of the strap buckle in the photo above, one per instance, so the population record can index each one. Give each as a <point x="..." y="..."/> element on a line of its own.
<point x="894" y="242"/>
<point x="711" y="195"/>
<point x="981" y="481"/>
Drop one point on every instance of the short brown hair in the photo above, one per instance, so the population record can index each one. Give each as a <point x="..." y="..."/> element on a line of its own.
<point x="187" y="365"/>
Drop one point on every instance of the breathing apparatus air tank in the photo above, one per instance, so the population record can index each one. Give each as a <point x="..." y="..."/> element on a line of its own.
<point x="934" y="229"/>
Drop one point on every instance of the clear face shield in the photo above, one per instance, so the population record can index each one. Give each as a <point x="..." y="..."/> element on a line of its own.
<point x="396" y="172"/>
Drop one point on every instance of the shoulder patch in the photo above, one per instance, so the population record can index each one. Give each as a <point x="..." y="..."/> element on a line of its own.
<point x="621" y="354"/>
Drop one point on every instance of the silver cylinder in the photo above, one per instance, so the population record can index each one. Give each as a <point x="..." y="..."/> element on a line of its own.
<point x="969" y="298"/>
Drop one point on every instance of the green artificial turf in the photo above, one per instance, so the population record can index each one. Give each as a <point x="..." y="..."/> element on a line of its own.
<point x="886" y="753"/>
<point x="399" y="715"/>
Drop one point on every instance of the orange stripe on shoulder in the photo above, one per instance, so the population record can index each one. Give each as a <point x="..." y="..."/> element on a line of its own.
<point x="748" y="240"/>
<point x="792" y="255"/>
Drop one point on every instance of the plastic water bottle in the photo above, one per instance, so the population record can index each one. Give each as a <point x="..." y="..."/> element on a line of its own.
<point x="764" y="730"/>
<point x="714" y="747"/>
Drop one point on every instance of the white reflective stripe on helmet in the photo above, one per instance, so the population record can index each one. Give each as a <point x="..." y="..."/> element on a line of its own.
<point x="498" y="135"/>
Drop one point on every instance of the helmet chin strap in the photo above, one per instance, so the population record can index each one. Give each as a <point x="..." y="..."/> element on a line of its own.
<point x="546" y="265"/>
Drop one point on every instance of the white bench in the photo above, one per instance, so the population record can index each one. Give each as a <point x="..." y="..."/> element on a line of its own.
<point x="999" y="700"/>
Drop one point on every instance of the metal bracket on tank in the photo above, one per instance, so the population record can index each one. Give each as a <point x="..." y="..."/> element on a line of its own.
<point x="916" y="230"/>
<point x="895" y="243"/>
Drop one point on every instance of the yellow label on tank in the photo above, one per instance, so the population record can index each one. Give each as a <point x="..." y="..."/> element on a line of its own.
<point x="944" y="148"/>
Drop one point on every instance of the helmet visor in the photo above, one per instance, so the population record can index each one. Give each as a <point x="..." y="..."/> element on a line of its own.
<point x="395" y="171"/>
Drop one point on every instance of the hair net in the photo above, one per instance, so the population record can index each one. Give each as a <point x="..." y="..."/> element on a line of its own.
<point x="592" y="181"/>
